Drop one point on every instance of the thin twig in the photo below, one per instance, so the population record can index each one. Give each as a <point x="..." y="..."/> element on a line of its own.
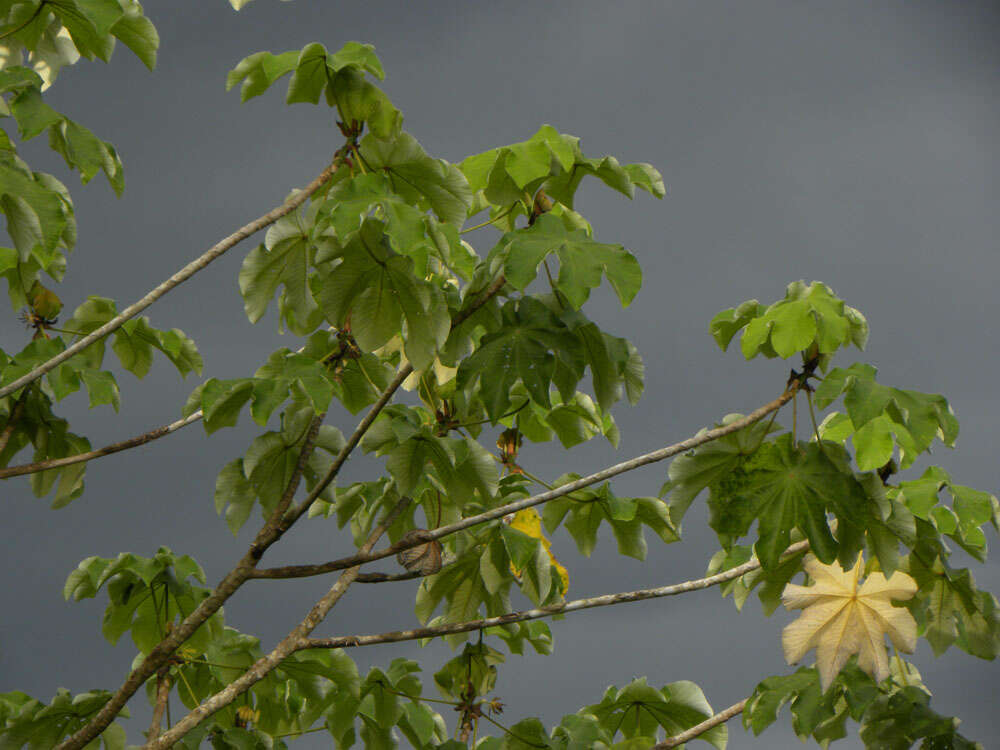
<point x="720" y="718"/>
<point x="288" y="645"/>
<point x="13" y="418"/>
<point x="107" y="450"/>
<point x="303" y="571"/>
<point x="160" y="706"/>
<point x="577" y="605"/>
<point x="266" y="573"/>
<point x="178" y="278"/>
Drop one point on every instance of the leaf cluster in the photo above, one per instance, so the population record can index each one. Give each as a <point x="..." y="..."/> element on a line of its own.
<point x="811" y="318"/>
<point x="894" y="714"/>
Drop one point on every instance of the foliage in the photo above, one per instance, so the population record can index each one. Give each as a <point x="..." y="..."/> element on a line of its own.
<point x="372" y="271"/>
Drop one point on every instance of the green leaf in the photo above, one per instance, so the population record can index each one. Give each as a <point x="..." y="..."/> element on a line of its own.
<point x="259" y="70"/>
<point x="101" y="387"/>
<point x="728" y="323"/>
<point x="810" y="319"/>
<point x="948" y="607"/>
<point x="526" y="348"/>
<point x="640" y="711"/>
<point x="32" y="114"/>
<point x="915" y="419"/>
<point x="903" y="718"/>
<point x="284" y="259"/>
<point x="222" y="401"/>
<point x="359" y="101"/>
<point x="419" y="178"/>
<point x="407" y="461"/>
<point x="582" y="261"/>
<point x="691" y="473"/>
<point x="553" y="162"/>
<point x="36" y="215"/>
<point x="84" y="151"/>
<point x="138" y="34"/>
<point x="351" y="200"/>
<point x="786" y="487"/>
<point x="582" y="513"/>
<point x="373" y="291"/>
<point x="234" y="495"/>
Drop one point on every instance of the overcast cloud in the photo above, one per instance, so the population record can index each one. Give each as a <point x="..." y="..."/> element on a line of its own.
<point x="849" y="142"/>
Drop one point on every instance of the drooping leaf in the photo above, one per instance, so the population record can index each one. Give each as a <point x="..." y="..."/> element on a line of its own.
<point x="419" y="178"/>
<point x="283" y="259"/>
<point x="582" y="261"/>
<point x="882" y="418"/>
<point x="373" y="291"/>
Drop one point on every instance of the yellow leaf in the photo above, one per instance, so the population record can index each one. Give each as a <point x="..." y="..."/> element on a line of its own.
<point x="528" y="522"/>
<point x="840" y="618"/>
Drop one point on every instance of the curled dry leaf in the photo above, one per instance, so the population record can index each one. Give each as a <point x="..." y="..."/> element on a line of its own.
<point x="840" y="617"/>
<point x="424" y="558"/>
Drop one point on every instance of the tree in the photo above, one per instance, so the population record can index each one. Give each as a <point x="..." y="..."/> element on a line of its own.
<point x="373" y="273"/>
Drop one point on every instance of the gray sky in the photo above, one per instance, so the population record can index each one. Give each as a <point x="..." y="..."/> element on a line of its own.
<point x="846" y="142"/>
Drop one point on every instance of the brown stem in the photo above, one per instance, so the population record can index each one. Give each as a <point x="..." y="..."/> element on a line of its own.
<point x="177" y="279"/>
<point x="577" y="605"/>
<point x="698" y="729"/>
<point x="303" y="571"/>
<point x="288" y="645"/>
<point x="107" y="450"/>
<point x="160" y="706"/>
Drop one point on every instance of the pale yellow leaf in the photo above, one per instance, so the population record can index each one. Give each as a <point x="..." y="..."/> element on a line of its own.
<point x="840" y="617"/>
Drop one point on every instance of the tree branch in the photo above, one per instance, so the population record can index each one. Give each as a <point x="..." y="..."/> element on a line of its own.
<point x="160" y="706"/>
<point x="275" y="574"/>
<point x="279" y="522"/>
<point x="401" y="376"/>
<point x="178" y="278"/>
<point x="160" y="654"/>
<point x="577" y="605"/>
<point x="303" y="571"/>
<point x="288" y="645"/>
<point x="698" y="729"/>
<point x="107" y="450"/>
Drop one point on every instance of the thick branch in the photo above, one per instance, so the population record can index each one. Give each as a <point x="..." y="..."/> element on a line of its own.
<point x="698" y="729"/>
<point x="107" y="450"/>
<point x="178" y="278"/>
<point x="577" y="605"/>
<point x="288" y="645"/>
<point x="303" y="571"/>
